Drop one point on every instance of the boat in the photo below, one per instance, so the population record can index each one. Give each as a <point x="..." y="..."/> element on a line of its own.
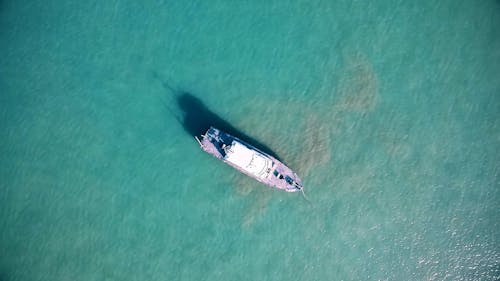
<point x="249" y="160"/>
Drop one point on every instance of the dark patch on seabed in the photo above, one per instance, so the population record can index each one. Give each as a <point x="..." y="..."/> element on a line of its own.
<point x="197" y="118"/>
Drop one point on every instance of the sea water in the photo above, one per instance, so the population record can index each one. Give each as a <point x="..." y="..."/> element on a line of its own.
<point x="388" y="110"/>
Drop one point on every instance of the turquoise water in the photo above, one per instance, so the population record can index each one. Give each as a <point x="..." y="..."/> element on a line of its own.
<point x="389" y="111"/>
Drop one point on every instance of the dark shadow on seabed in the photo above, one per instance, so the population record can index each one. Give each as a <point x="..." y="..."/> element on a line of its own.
<point x="197" y="118"/>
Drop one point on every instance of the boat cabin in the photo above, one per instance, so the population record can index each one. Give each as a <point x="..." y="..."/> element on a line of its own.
<point x="249" y="160"/>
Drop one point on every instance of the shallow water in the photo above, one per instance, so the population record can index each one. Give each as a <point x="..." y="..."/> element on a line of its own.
<point x="387" y="110"/>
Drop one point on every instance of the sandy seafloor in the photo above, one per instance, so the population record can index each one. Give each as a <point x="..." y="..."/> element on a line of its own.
<point x="389" y="111"/>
